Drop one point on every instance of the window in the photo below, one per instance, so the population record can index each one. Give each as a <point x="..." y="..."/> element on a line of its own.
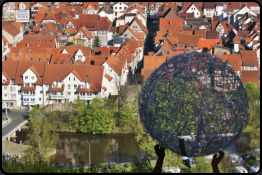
<point x="120" y="8"/>
<point x="125" y="35"/>
<point x="124" y="7"/>
<point x="82" y="85"/>
<point x="74" y="79"/>
<point x="39" y="99"/>
<point x="58" y="75"/>
<point x="32" y="99"/>
<point x="32" y="77"/>
<point x="5" y="87"/>
<point x="41" y="76"/>
<point x="5" y="95"/>
<point x="69" y="86"/>
<point x="115" y="7"/>
<point x="69" y="93"/>
<point x="26" y="77"/>
<point x="4" y="80"/>
<point x="24" y="99"/>
<point x="110" y="70"/>
<point x="26" y="84"/>
<point x="41" y="92"/>
<point x="75" y="86"/>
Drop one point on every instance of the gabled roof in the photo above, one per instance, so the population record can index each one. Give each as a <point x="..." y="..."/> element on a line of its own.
<point x="5" y="74"/>
<point x="39" y="17"/>
<point x="86" y="32"/>
<point x="25" y="65"/>
<point x="140" y="24"/>
<point x="233" y="59"/>
<point x="33" y="69"/>
<point x="27" y="5"/>
<point x="10" y="67"/>
<point x="50" y="26"/>
<point x="36" y="28"/>
<point x="91" y="23"/>
<point x="86" y="73"/>
<point x="135" y="6"/>
<point x="209" y="43"/>
<point x="11" y="29"/>
<point x="58" y="58"/>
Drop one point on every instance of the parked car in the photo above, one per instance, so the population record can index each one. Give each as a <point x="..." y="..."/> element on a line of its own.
<point x="256" y="154"/>
<point x="240" y="169"/>
<point x="236" y="159"/>
<point x="188" y="161"/>
<point x="171" y="170"/>
<point x="4" y="110"/>
<point x="254" y="169"/>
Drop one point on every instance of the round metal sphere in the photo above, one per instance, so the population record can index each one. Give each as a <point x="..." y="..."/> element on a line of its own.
<point x="197" y="98"/>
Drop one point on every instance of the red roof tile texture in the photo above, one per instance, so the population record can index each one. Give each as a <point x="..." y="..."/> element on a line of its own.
<point x="249" y="58"/>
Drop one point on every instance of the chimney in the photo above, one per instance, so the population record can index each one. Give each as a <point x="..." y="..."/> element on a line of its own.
<point x="236" y="47"/>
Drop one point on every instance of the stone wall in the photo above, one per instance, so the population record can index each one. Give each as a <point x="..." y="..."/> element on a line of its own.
<point x="59" y="106"/>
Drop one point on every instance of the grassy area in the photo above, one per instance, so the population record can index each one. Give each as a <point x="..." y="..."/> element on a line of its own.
<point x="13" y="147"/>
<point x="4" y="118"/>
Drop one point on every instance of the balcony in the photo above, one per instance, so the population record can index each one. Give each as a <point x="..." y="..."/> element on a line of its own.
<point x="85" y="97"/>
<point x="29" y="103"/>
<point x="56" y="97"/>
<point x="29" y="95"/>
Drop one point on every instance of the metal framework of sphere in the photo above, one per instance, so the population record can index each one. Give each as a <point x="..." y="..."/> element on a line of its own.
<point x="197" y="98"/>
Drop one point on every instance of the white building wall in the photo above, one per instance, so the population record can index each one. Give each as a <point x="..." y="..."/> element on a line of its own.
<point x="120" y="22"/>
<point x="193" y="9"/>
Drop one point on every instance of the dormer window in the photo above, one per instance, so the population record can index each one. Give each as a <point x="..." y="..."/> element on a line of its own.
<point x="58" y="75"/>
<point x="31" y="59"/>
<point x="39" y="59"/>
<point x="41" y="76"/>
<point x="20" y="76"/>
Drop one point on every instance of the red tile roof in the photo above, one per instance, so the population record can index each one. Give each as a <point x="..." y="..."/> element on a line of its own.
<point x="39" y="17"/>
<point x="209" y="43"/>
<point x="91" y="23"/>
<point x="23" y="66"/>
<point x="36" y="28"/>
<point x="233" y="59"/>
<point x="171" y="22"/>
<point x="108" y="77"/>
<point x="11" y="29"/>
<point x="53" y="89"/>
<point x="86" y="32"/>
<point x="86" y="73"/>
<point x="135" y="6"/>
<point x="250" y="76"/>
<point x="27" y="5"/>
<point x="249" y="58"/>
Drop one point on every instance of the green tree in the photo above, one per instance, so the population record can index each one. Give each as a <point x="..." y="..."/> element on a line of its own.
<point x="127" y="120"/>
<point x="40" y="138"/>
<point x="202" y="166"/>
<point x="102" y="122"/>
<point x="78" y="116"/>
<point x="254" y="105"/>
<point x="96" y="42"/>
<point x="226" y="164"/>
<point x="142" y="166"/>
<point x="254" y="114"/>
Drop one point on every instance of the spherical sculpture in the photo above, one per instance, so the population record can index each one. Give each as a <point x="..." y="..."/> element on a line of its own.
<point x="194" y="104"/>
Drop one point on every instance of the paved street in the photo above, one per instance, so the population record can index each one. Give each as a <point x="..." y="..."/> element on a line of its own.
<point x="17" y="118"/>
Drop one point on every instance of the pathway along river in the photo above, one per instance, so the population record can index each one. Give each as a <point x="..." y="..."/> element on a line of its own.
<point x="117" y="148"/>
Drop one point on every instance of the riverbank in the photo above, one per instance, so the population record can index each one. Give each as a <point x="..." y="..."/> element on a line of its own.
<point x="14" y="148"/>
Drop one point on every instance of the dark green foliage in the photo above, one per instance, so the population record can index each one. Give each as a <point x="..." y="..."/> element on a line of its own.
<point x="96" y="42"/>
<point x="142" y="166"/>
<point x="112" y="165"/>
<point x="128" y="164"/>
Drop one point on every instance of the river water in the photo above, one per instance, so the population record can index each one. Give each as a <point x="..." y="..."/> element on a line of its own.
<point x="117" y="148"/>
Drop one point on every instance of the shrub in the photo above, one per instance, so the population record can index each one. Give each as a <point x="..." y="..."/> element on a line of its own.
<point x="128" y="164"/>
<point x="112" y="165"/>
<point x="104" y="166"/>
